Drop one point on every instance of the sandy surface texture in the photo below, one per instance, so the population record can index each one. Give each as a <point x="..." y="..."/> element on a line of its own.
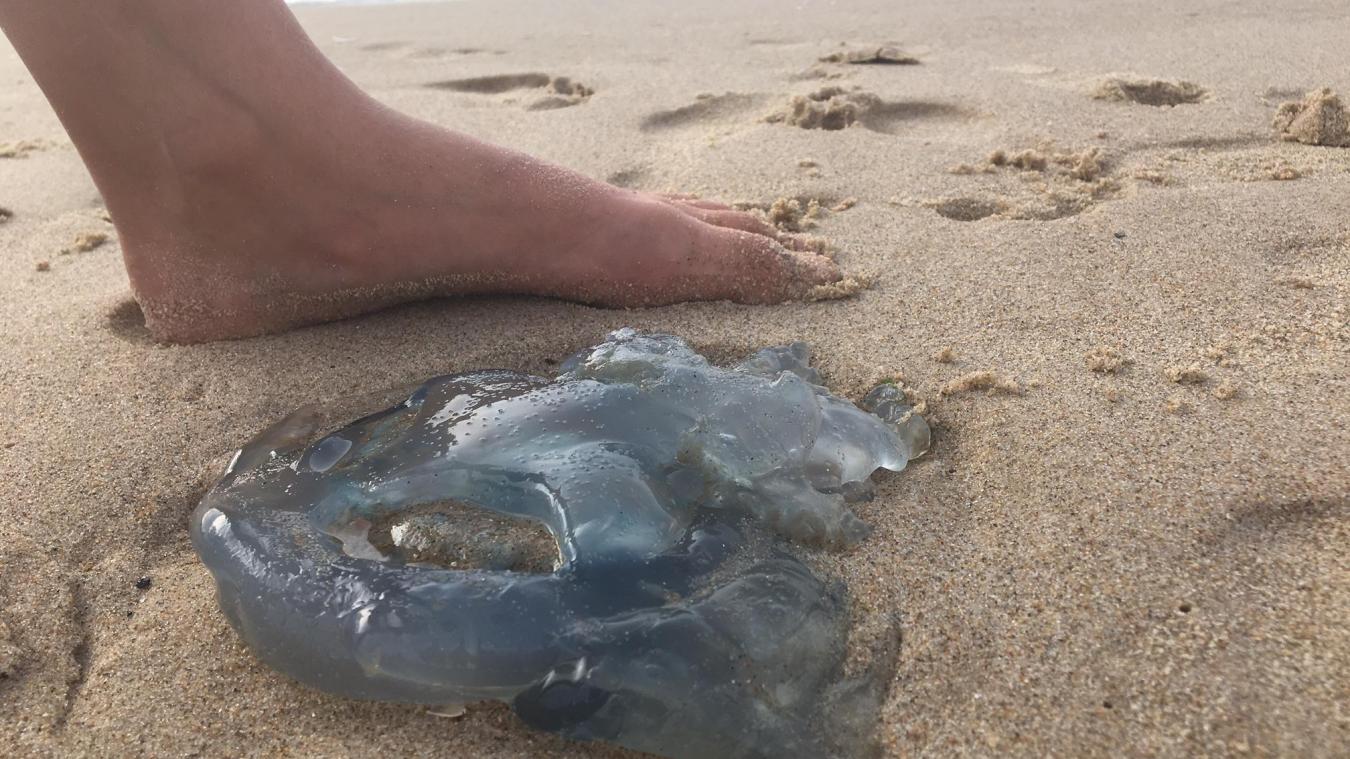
<point x="1121" y="291"/>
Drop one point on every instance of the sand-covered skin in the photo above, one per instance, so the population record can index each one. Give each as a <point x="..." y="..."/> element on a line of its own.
<point x="1076" y="570"/>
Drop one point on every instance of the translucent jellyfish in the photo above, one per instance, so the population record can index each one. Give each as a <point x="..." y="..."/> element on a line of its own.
<point x="611" y="552"/>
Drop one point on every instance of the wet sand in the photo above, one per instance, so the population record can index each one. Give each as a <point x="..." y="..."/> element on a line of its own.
<point x="1128" y="322"/>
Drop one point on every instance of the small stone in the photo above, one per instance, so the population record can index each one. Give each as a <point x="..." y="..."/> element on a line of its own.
<point x="1119" y="235"/>
<point x="144" y="582"/>
<point x="44" y="266"/>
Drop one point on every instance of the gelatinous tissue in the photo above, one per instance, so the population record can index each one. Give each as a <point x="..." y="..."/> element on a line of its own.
<point x="614" y="552"/>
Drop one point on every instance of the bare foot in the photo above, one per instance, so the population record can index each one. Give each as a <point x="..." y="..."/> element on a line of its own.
<point x="262" y="232"/>
<point x="256" y="188"/>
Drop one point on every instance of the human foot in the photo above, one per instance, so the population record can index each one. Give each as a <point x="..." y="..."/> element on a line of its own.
<point x="264" y="232"/>
<point x="256" y="188"/>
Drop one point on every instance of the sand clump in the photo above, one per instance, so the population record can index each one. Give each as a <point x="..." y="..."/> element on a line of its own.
<point x="798" y="214"/>
<point x="563" y="93"/>
<point x="1084" y="165"/>
<point x="1318" y="119"/>
<point x="880" y="55"/>
<point x="944" y="355"/>
<point x="791" y="215"/>
<point x="1186" y="375"/>
<point x="86" y="242"/>
<point x="982" y="380"/>
<point x="1105" y="360"/>
<point x="1027" y="160"/>
<point x="848" y="287"/>
<point x="1226" y="390"/>
<point x="828" y="108"/>
<point x="1154" y="92"/>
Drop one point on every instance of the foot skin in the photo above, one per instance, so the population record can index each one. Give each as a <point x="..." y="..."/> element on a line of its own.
<point x="264" y="232"/>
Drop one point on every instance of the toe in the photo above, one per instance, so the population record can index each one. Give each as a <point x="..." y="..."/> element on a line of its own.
<point x="729" y="218"/>
<point x="762" y="271"/>
<point x="805" y="243"/>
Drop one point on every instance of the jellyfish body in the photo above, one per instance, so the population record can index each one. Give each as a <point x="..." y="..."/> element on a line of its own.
<point x="673" y="615"/>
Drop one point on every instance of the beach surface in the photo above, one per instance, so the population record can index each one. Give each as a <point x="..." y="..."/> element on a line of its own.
<point x="1128" y="323"/>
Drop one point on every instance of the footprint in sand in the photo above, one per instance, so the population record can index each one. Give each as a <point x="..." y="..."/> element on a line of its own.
<point x="559" y="91"/>
<point x="835" y="108"/>
<point x="384" y="46"/>
<point x="1040" y="184"/>
<point x="707" y="109"/>
<point x="829" y="109"/>
<point x="1154" y="92"/>
<point x="407" y="50"/>
<point x="21" y="148"/>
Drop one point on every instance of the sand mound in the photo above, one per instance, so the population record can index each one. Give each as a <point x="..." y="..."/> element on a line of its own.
<point x="884" y="55"/>
<point x="829" y="108"/>
<point x="1319" y="119"/>
<point x="1155" y="92"/>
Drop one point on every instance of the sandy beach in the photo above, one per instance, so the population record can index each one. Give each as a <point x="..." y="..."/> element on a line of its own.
<point x="1127" y="321"/>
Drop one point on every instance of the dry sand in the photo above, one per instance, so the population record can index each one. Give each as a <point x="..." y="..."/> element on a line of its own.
<point x="1077" y="570"/>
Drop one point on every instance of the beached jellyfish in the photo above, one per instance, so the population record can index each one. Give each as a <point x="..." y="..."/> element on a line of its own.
<point x="610" y="551"/>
